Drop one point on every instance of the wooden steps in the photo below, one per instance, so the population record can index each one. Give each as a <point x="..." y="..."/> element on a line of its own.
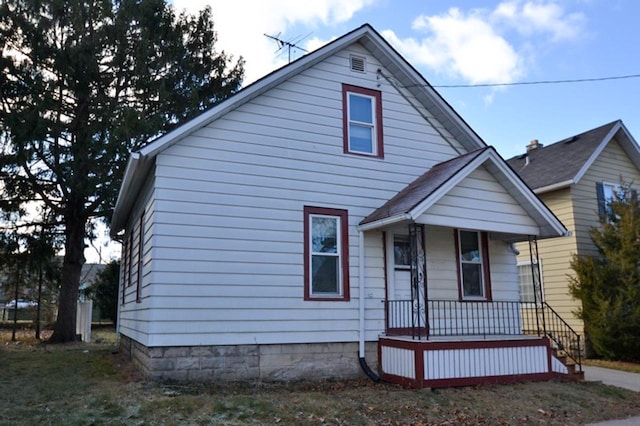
<point x="573" y="370"/>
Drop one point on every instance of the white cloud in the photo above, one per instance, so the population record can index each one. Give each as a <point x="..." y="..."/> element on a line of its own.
<point x="531" y="18"/>
<point x="464" y="46"/>
<point x="474" y="45"/>
<point x="241" y="25"/>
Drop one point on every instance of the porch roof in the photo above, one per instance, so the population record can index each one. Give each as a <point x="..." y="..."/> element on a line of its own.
<point x="415" y="199"/>
<point x="420" y="189"/>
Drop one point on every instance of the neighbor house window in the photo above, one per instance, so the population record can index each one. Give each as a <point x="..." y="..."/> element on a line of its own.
<point x="473" y="265"/>
<point x="362" y="121"/>
<point x="606" y="193"/>
<point x="326" y="254"/>
<point x="525" y="277"/>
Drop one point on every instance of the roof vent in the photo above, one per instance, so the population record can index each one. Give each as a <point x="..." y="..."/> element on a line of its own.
<point x="572" y="139"/>
<point x="357" y="63"/>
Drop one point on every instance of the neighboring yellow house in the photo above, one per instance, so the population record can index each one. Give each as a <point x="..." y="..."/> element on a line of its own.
<point x="574" y="178"/>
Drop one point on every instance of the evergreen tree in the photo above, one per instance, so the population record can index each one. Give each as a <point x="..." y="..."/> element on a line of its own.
<point x="83" y="82"/>
<point x="608" y="285"/>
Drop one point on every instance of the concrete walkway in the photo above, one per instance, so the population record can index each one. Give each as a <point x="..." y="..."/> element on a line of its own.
<point x="619" y="379"/>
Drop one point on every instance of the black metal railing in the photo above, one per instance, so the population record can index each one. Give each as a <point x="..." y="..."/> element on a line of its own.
<point x="442" y="318"/>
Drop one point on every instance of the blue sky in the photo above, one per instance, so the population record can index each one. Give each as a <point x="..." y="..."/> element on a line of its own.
<point x="472" y="42"/>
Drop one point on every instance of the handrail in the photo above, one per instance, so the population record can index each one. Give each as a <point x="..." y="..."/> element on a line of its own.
<point x="564" y="336"/>
<point x="482" y="318"/>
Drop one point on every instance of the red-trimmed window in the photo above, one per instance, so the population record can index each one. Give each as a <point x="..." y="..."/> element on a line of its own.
<point x="326" y="254"/>
<point x="362" y="121"/>
<point x="125" y="266"/>
<point x="140" y="255"/>
<point x="472" y="253"/>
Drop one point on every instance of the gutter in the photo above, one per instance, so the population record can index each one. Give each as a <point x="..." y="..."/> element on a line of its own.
<point x="123" y="195"/>
<point x="553" y="187"/>
<point x="361" y="344"/>
<point x="383" y="222"/>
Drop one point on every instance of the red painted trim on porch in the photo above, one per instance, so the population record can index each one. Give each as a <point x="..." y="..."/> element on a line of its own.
<point x="471" y="381"/>
<point x="402" y="381"/>
<point x="407" y="331"/>
<point x="465" y="344"/>
<point x="549" y="354"/>
<point x="418" y="347"/>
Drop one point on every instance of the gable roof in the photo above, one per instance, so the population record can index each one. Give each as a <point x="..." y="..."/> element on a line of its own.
<point x="563" y="163"/>
<point x="428" y="189"/>
<point x="141" y="162"/>
<point x="402" y="204"/>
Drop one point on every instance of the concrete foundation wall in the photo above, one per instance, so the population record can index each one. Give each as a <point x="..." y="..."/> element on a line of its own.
<point x="304" y="361"/>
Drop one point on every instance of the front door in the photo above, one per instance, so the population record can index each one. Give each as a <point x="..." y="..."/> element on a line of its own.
<point x="406" y="278"/>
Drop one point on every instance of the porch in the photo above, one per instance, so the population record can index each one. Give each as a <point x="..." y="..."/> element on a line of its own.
<point x="459" y="343"/>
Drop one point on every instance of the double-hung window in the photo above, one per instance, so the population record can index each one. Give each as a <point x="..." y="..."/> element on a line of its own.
<point x="606" y="193"/>
<point x="527" y="287"/>
<point x="362" y="121"/>
<point x="326" y="254"/>
<point x="473" y="265"/>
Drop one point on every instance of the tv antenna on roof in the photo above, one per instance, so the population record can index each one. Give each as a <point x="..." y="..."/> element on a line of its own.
<point x="290" y="44"/>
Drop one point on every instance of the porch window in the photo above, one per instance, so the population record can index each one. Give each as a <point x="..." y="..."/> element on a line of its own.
<point x="473" y="265"/>
<point x="362" y="121"/>
<point x="326" y="254"/>
<point x="525" y="276"/>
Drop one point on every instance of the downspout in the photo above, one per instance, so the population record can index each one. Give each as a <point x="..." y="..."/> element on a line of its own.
<point x="361" y="344"/>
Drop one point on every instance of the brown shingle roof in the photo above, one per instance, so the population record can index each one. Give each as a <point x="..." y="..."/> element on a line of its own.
<point x="418" y="190"/>
<point x="560" y="161"/>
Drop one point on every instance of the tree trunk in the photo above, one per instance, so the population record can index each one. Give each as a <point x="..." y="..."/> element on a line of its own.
<point x="65" y="328"/>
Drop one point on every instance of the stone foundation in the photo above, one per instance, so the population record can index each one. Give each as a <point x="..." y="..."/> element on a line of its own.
<point x="301" y="361"/>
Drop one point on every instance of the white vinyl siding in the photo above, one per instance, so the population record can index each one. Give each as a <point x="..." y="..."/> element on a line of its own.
<point x="480" y="202"/>
<point x="442" y="280"/>
<point x="134" y="317"/>
<point x="227" y="217"/>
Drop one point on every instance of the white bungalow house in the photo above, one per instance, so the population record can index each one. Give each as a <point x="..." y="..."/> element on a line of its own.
<point x="336" y="216"/>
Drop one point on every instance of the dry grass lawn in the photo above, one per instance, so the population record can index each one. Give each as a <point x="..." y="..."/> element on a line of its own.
<point x="79" y="384"/>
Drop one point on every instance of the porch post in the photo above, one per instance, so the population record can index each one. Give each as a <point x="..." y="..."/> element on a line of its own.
<point x="537" y="287"/>
<point x="418" y="280"/>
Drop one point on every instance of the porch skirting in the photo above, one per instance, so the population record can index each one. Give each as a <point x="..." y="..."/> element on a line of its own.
<point x="423" y="363"/>
<point x="282" y="362"/>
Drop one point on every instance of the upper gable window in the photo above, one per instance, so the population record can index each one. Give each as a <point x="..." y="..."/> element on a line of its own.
<point x="362" y="121"/>
<point x="606" y="193"/>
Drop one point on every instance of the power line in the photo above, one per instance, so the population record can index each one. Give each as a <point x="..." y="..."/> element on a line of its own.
<point x="530" y="83"/>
